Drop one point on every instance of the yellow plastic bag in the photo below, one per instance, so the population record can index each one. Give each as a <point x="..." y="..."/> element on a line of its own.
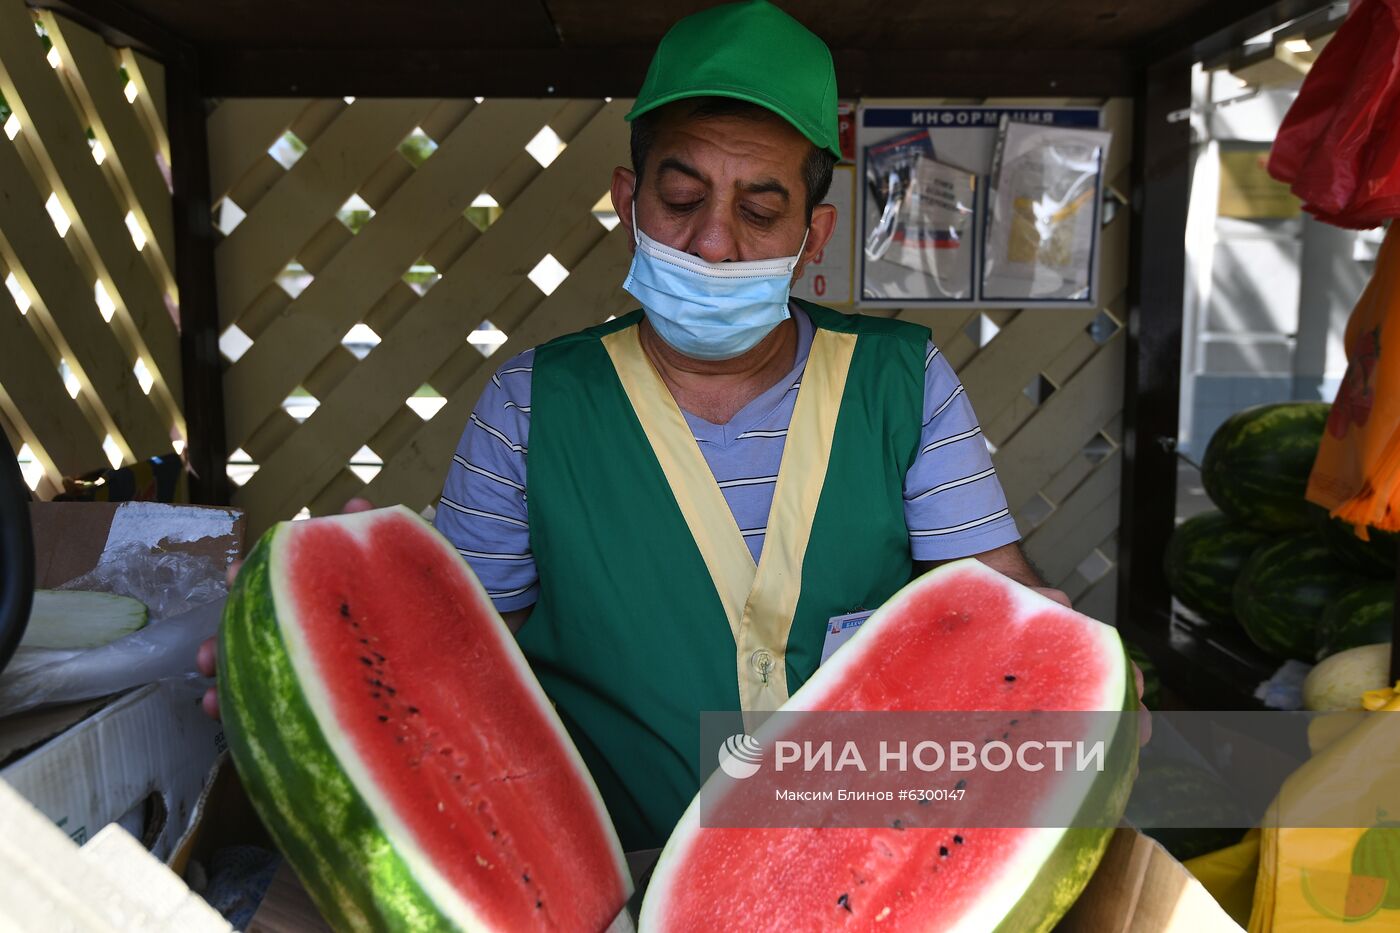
<point x="1229" y="875"/>
<point x="1313" y="879"/>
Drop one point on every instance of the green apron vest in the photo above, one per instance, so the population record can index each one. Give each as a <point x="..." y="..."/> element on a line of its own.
<point x="629" y="637"/>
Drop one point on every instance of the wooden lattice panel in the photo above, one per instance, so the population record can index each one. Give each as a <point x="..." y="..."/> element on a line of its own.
<point x="417" y="280"/>
<point x="314" y="419"/>
<point x="1048" y="389"/>
<point x="89" y="344"/>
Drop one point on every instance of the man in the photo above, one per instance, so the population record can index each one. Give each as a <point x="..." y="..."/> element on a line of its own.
<point x="678" y="500"/>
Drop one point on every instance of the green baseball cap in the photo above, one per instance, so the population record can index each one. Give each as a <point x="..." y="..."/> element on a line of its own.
<point x="752" y="51"/>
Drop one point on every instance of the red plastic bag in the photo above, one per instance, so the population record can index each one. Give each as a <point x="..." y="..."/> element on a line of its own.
<point x="1339" y="145"/>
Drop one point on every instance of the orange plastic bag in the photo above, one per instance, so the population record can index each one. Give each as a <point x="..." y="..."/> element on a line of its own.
<point x="1356" y="475"/>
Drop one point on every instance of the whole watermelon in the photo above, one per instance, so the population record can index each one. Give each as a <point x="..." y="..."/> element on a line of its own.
<point x="1283" y="590"/>
<point x="1363" y="615"/>
<point x="1186" y="808"/>
<point x="1204" y="556"/>
<point x="1257" y="464"/>
<point x="1377" y="557"/>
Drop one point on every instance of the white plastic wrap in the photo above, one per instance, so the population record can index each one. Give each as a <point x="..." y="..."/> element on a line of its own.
<point x="920" y="246"/>
<point x="1041" y="233"/>
<point x="185" y="595"/>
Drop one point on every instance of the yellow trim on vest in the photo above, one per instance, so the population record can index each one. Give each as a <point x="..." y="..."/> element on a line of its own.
<point x="769" y="610"/>
<point x="702" y="504"/>
<point x="758" y="602"/>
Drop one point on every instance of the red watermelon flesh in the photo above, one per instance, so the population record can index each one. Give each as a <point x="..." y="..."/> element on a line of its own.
<point x="960" y="638"/>
<point x="473" y="791"/>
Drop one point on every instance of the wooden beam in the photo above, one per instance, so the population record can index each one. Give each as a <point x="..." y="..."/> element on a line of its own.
<point x="418" y="72"/>
<point x="1222" y="26"/>
<point x="120" y="26"/>
<point x="1156" y="291"/>
<point x="206" y="447"/>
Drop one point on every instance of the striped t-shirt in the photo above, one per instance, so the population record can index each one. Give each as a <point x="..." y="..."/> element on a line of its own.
<point x="953" y="503"/>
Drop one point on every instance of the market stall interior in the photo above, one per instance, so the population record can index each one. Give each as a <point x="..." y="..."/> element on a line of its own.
<point x="269" y="256"/>
<point x="266" y="387"/>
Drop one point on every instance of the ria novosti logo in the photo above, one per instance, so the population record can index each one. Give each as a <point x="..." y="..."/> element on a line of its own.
<point x="740" y="756"/>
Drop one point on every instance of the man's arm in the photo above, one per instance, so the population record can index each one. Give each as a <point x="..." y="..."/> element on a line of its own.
<point x="516" y="618"/>
<point x="1011" y="561"/>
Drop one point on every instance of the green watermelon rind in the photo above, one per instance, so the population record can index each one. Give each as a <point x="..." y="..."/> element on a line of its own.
<point x="1256" y="466"/>
<point x="1375" y="557"/>
<point x="1266" y="594"/>
<point x="1203" y="559"/>
<point x="286" y="761"/>
<point x="1363" y="615"/>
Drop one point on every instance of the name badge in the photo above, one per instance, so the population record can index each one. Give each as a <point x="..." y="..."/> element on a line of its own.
<point x="839" y="629"/>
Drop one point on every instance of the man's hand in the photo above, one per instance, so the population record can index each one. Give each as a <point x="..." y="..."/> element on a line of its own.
<point x="1144" y="714"/>
<point x="1059" y="596"/>
<point x="206" y="660"/>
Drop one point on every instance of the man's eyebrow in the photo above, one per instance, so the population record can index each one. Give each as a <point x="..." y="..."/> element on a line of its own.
<point x="670" y="163"/>
<point x="765" y="186"/>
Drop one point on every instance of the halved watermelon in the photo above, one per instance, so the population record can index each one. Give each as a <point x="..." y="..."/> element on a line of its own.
<point x="393" y="739"/>
<point x="962" y="638"/>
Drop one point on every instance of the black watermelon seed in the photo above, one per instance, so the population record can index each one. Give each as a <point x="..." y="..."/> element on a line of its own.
<point x="345" y="610"/>
<point x="366" y="662"/>
<point x="923" y="801"/>
<point x="957" y="840"/>
<point x="1006" y="735"/>
<point x="383" y="718"/>
<point x="391" y="691"/>
<point x="943" y="852"/>
<point x="1009" y="678"/>
<point x="960" y="785"/>
<point x="539" y="904"/>
<point x="458" y="777"/>
<point x="1014" y="721"/>
<point x="898" y="824"/>
<point x="525" y="877"/>
<point x="413" y="711"/>
<point x="379" y="657"/>
<point x="375" y="694"/>
<point x="844" y="902"/>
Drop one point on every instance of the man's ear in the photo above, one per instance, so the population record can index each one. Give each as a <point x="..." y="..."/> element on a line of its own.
<point x="624" y="186"/>
<point x="823" y="225"/>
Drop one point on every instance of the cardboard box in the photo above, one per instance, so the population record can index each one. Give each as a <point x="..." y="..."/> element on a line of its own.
<point x="70" y="537"/>
<point x="1138" y="887"/>
<point x="140" y="759"/>
<point x="48" y="883"/>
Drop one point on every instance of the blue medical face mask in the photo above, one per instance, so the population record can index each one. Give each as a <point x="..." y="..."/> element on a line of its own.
<point x="708" y="310"/>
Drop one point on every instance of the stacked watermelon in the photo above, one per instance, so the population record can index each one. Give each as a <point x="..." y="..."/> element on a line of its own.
<point x="1300" y="585"/>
